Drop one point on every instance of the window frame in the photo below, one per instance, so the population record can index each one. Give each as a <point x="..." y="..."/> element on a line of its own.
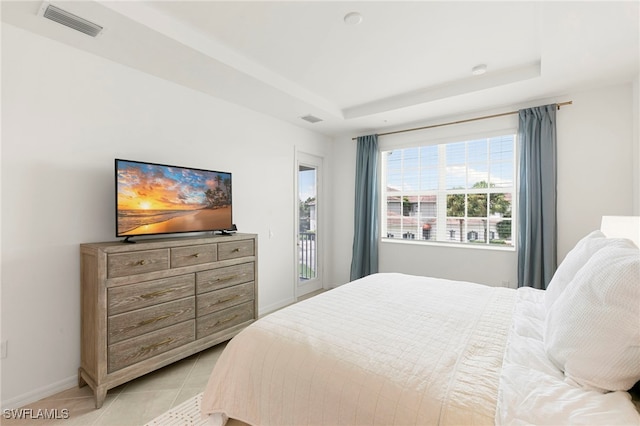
<point x="442" y="194"/>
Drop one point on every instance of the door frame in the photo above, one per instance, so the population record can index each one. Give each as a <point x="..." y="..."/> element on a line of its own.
<point x="317" y="162"/>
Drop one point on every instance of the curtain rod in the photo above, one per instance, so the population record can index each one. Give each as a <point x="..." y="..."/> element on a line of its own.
<point x="561" y="104"/>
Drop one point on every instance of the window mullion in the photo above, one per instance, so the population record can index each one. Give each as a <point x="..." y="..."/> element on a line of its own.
<point x="441" y="213"/>
<point x="487" y="225"/>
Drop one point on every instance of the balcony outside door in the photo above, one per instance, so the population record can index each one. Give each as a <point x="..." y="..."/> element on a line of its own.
<point x="309" y="220"/>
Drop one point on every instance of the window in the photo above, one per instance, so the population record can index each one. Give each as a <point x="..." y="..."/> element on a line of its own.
<point x="459" y="192"/>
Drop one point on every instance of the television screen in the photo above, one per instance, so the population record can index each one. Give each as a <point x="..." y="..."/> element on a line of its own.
<point x="161" y="199"/>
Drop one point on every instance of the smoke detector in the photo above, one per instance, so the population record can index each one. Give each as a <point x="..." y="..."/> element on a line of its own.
<point x="68" y="19"/>
<point x="352" y="18"/>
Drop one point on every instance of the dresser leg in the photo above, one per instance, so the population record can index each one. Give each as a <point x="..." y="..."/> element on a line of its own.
<point x="81" y="381"/>
<point x="101" y="394"/>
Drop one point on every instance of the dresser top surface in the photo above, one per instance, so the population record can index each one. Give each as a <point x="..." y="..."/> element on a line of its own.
<point x="157" y="243"/>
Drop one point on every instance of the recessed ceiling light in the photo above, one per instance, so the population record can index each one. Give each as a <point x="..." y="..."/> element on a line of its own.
<point x="352" y="18"/>
<point x="479" y="69"/>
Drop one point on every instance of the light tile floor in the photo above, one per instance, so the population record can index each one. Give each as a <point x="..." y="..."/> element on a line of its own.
<point x="132" y="404"/>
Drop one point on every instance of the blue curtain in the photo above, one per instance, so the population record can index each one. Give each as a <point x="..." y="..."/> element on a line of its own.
<point x="364" y="260"/>
<point x="537" y="223"/>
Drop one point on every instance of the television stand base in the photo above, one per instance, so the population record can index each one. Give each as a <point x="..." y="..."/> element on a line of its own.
<point x="229" y="231"/>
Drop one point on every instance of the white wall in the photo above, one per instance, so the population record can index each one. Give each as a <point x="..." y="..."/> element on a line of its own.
<point x="342" y="190"/>
<point x="595" y="161"/>
<point x="596" y="167"/>
<point x="66" y="115"/>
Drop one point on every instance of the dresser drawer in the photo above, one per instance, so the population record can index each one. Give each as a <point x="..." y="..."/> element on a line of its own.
<point x="137" y="262"/>
<point x="235" y="249"/>
<point x="135" y="296"/>
<point x="221" y="299"/>
<point x="224" y="277"/>
<point x="141" y="321"/>
<point x="132" y="351"/>
<point x="221" y="320"/>
<point x="193" y="255"/>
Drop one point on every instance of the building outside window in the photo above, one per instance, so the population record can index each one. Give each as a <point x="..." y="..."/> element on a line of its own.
<point x="460" y="192"/>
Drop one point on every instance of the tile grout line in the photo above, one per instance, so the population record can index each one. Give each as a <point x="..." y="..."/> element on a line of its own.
<point x="105" y="410"/>
<point x="184" y="381"/>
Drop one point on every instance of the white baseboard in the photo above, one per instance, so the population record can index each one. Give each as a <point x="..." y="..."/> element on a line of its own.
<point x="38" y="394"/>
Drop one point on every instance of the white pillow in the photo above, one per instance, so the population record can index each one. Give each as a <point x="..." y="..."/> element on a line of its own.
<point x="576" y="259"/>
<point x="592" y="331"/>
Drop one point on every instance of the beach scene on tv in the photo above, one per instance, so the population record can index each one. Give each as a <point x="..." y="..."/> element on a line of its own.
<point x="159" y="199"/>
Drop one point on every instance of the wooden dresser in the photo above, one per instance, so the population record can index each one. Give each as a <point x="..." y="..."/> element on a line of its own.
<point x="148" y="304"/>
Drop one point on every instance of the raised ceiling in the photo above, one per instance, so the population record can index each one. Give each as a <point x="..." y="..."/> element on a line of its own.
<point x="406" y="62"/>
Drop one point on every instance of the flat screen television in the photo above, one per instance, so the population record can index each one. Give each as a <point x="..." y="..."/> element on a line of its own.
<point x="154" y="199"/>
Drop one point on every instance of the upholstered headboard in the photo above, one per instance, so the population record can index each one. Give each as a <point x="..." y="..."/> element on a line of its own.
<point x="622" y="227"/>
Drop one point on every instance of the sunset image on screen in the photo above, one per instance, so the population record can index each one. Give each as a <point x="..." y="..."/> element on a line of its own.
<point x="159" y="199"/>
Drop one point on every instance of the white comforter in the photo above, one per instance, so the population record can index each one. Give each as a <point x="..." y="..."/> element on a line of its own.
<point x="386" y="349"/>
<point x="398" y="349"/>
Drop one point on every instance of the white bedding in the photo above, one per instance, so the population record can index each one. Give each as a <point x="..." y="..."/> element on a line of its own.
<point x="386" y="349"/>
<point x="398" y="349"/>
<point x="534" y="391"/>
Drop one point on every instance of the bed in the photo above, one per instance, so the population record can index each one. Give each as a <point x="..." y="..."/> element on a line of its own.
<point x="397" y="349"/>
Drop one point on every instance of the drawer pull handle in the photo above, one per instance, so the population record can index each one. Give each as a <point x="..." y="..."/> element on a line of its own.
<point x="226" y="278"/>
<point x="196" y="255"/>
<point x="224" y="321"/>
<point x="235" y="250"/>
<point x="155" y="346"/>
<point x="152" y="320"/>
<point x="141" y="262"/>
<point x="155" y="294"/>
<point x="228" y="299"/>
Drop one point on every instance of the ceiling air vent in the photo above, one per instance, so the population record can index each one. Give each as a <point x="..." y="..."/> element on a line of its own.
<point x="311" y="118"/>
<point x="70" y="20"/>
